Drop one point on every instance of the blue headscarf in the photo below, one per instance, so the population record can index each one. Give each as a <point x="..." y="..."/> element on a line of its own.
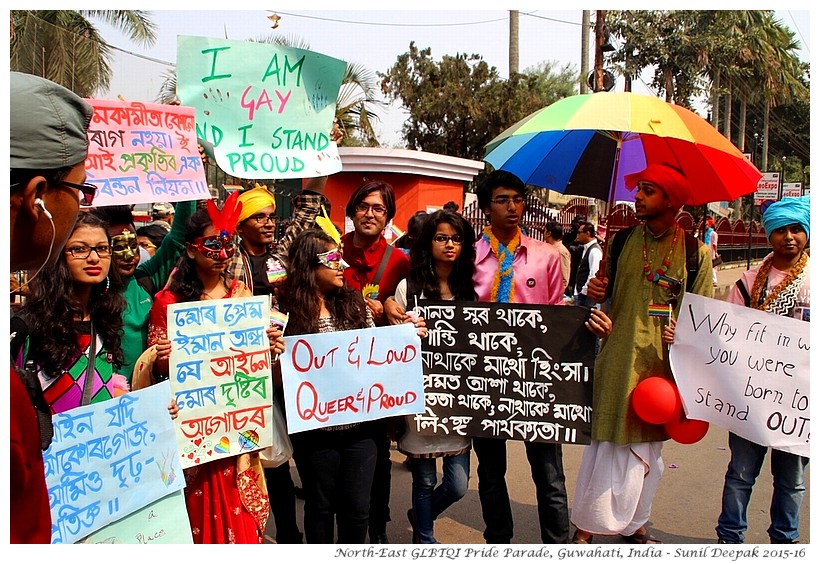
<point x="785" y="212"/>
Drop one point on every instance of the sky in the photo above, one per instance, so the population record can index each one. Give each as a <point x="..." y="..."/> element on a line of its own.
<point x="373" y="38"/>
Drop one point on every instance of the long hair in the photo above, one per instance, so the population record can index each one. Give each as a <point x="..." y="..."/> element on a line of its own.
<point x="299" y="292"/>
<point x="423" y="278"/>
<point x="51" y="312"/>
<point x="185" y="283"/>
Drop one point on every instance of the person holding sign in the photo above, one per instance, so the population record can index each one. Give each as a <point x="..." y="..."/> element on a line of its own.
<point x="335" y="463"/>
<point x="441" y="268"/>
<point x="621" y="468"/>
<point x="140" y="279"/>
<point x="513" y="268"/>
<point x="48" y="133"/>
<point x="375" y="270"/>
<point x="779" y="285"/>
<point x="260" y="264"/>
<point x="226" y="498"/>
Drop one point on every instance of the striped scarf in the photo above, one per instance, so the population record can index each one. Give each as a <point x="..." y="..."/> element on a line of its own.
<point x="503" y="290"/>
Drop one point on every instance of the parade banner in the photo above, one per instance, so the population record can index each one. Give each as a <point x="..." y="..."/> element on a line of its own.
<point x="220" y="372"/>
<point x="511" y="371"/>
<point x="351" y="376"/>
<point x="143" y="153"/>
<point x="744" y="370"/>
<point x="163" y="522"/>
<point x="267" y="109"/>
<point x="109" y="459"/>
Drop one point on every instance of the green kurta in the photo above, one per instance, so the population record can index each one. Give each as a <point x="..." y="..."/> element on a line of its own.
<point x="634" y="350"/>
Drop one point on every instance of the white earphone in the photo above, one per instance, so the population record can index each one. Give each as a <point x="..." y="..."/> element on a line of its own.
<point x="42" y="204"/>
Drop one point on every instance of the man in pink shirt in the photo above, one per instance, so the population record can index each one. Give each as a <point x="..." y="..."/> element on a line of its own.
<point x="513" y="268"/>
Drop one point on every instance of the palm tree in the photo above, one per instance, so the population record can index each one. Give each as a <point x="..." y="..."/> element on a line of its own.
<point x="355" y="103"/>
<point x="65" y="47"/>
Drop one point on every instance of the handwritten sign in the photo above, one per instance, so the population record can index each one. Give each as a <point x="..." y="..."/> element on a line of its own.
<point x="108" y="460"/>
<point x="144" y="153"/>
<point x="351" y="376"/>
<point x="220" y="373"/>
<point x="267" y="109"/>
<point x="511" y="371"/>
<point x="744" y="370"/>
<point x="164" y="521"/>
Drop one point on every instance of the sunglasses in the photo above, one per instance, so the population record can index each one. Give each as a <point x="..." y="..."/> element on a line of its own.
<point x="214" y="246"/>
<point x="332" y="259"/>
<point x="87" y="190"/>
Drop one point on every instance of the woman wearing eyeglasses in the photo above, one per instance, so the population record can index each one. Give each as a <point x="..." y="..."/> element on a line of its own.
<point x="225" y="498"/>
<point x="335" y="463"/>
<point x="73" y="321"/>
<point x="441" y="268"/>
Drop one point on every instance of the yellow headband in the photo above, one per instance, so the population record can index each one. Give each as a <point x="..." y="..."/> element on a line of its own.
<point x="254" y="200"/>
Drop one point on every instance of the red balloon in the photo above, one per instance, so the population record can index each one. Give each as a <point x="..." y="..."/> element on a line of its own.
<point x="686" y="431"/>
<point x="656" y="400"/>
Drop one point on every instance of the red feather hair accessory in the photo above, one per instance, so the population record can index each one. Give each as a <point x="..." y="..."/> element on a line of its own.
<point x="225" y="221"/>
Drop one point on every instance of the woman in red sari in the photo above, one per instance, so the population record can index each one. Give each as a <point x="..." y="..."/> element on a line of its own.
<point x="225" y="498"/>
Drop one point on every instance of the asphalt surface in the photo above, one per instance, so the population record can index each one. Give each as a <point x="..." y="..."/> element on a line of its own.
<point x="684" y="512"/>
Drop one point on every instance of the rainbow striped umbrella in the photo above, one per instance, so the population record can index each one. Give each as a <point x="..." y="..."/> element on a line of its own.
<point x="584" y="145"/>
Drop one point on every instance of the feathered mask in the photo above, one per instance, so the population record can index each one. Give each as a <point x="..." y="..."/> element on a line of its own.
<point x="225" y="221"/>
<point x="327" y="226"/>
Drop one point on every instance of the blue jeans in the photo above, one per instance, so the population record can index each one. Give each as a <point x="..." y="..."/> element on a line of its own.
<point x="789" y="487"/>
<point x="430" y="501"/>
<point x="547" y="470"/>
<point x="336" y="469"/>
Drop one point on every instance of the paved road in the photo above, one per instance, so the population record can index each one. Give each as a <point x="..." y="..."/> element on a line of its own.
<point x="684" y="512"/>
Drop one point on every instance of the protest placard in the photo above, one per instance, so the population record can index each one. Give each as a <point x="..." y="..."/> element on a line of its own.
<point x="744" y="370"/>
<point x="511" y="371"/>
<point x="351" y="376"/>
<point x="164" y="521"/>
<point x="220" y="373"/>
<point x="109" y="459"/>
<point x="144" y="153"/>
<point x="267" y="109"/>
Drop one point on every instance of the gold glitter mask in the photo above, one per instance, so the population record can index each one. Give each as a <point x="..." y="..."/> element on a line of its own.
<point x="124" y="246"/>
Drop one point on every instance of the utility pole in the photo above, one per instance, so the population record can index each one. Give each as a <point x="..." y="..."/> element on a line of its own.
<point x="600" y="38"/>
<point x="513" y="42"/>
<point x="584" y="50"/>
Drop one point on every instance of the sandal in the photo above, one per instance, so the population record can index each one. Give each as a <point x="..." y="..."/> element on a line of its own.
<point x="641" y="538"/>
<point x="578" y="539"/>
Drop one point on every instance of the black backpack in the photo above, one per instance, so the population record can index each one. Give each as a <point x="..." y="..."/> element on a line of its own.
<point x="692" y="259"/>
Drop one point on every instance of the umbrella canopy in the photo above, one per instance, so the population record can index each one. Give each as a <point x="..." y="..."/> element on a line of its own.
<point x="585" y="144"/>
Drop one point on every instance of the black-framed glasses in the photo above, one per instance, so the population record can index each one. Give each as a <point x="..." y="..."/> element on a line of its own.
<point x="377" y="209"/>
<point x="505" y="200"/>
<point x="261" y="218"/>
<point x="442" y="239"/>
<point x="84" y="251"/>
<point x="86" y="189"/>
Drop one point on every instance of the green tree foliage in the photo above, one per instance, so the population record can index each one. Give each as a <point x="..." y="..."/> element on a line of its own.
<point x="457" y="105"/>
<point x="65" y="47"/>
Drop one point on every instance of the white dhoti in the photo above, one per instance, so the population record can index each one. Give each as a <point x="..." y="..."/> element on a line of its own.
<point x="615" y="487"/>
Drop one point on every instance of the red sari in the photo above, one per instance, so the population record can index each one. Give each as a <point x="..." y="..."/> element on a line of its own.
<point x="225" y="498"/>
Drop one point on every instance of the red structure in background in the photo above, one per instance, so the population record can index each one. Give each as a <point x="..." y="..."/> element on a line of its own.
<point x="421" y="181"/>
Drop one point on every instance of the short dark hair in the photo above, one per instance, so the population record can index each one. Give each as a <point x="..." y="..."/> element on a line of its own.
<point x="496" y="178"/>
<point x="155" y="233"/>
<point x="116" y="215"/>
<point x="555" y="229"/>
<point x="383" y="188"/>
<point x="589" y="228"/>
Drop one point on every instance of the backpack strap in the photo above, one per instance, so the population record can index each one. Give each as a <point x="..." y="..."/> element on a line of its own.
<point x="382" y="265"/>
<point x="747" y="299"/>
<point x="616" y="246"/>
<point x="692" y="260"/>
